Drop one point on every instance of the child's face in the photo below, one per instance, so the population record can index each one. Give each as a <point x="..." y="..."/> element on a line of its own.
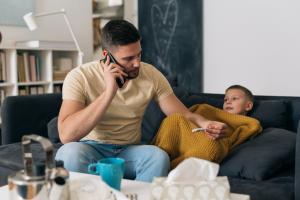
<point x="236" y="102"/>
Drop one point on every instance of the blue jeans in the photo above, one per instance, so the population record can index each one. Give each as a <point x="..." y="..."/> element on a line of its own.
<point x="142" y="162"/>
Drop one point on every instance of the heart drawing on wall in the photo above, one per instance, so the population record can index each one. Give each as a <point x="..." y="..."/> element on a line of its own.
<point x="164" y="26"/>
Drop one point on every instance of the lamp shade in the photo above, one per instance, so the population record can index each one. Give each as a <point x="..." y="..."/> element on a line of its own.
<point x="30" y="21"/>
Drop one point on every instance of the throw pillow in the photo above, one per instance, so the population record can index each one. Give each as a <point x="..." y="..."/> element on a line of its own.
<point x="199" y="99"/>
<point x="271" y="113"/>
<point x="53" y="130"/>
<point x="153" y="117"/>
<point x="151" y="122"/>
<point x="262" y="156"/>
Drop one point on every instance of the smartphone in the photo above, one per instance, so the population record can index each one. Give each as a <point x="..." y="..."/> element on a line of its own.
<point x="118" y="80"/>
<point x="113" y="60"/>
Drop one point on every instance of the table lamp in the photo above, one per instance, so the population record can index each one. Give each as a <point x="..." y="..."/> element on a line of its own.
<point x="31" y="23"/>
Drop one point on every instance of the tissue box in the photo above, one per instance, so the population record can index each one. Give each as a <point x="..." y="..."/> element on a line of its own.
<point x="217" y="189"/>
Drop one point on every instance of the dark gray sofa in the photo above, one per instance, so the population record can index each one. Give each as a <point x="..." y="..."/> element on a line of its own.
<point x="263" y="167"/>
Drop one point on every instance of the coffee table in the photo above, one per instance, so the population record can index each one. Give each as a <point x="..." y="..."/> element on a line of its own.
<point x="142" y="189"/>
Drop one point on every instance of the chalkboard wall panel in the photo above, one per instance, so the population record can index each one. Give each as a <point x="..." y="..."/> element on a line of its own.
<point x="172" y="39"/>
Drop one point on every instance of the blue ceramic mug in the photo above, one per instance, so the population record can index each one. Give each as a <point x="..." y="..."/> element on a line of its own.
<point x="111" y="171"/>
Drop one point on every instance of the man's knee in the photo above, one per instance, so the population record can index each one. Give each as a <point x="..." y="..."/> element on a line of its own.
<point x="75" y="156"/>
<point x="70" y="150"/>
<point x="154" y="163"/>
<point x="158" y="157"/>
<point x="161" y="155"/>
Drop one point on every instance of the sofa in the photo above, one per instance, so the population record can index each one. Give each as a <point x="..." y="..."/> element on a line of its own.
<point x="265" y="167"/>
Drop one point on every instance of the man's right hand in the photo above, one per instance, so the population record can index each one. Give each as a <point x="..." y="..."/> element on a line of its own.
<point x="111" y="72"/>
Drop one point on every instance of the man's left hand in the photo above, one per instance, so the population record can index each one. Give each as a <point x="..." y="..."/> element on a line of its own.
<point x="214" y="129"/>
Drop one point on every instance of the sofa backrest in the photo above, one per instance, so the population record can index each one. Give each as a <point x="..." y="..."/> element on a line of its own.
<point x="28" y="114"/>
<point x="31" y="114"/>
<point x="271" y="111"/>
<point x="283" y="107"/>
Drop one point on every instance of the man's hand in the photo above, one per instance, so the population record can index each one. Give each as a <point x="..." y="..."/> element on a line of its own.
<point x="214" y="129"/>
<point x="171" y="104"/>
<point x="111" y="72"/>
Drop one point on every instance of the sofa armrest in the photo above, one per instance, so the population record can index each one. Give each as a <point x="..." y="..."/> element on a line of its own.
<point x="27" y="115"/>
<point x="297" y="164"/>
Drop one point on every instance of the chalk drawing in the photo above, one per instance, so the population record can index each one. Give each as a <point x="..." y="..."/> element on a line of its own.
<point x="164" y="26"/>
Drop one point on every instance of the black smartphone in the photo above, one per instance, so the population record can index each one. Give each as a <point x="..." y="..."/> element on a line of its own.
<point x="113" y="60"/>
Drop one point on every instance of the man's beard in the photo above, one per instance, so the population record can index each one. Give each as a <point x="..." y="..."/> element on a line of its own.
<point x="132" y="74"/>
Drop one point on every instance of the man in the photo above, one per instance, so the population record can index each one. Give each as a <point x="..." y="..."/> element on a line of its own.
<point x="98" y="119"/>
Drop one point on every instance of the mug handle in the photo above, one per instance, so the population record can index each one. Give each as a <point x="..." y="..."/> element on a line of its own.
<point x="92" y="169"/>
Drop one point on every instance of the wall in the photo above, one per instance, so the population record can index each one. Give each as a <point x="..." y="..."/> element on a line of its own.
<point x="54" y="27"/>
<point x="131" y="11"/>
<point x="255" y="43"/>
<point x="171" y="34"/>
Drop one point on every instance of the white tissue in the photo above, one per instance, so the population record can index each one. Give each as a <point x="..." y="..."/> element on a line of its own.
<point x="192" y="179"/>
<point x="193" y="169"/>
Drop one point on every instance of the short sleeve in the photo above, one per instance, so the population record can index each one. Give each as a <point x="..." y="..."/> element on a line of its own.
<point x="73" y="86"/>
<point x="162" y="86"/>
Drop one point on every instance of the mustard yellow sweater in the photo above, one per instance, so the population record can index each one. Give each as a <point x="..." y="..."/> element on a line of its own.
<point x="176" y="138"/>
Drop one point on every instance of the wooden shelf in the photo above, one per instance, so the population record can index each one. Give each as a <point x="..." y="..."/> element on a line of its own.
<point x="45" y="59"/>
<point x="34" y="83"/>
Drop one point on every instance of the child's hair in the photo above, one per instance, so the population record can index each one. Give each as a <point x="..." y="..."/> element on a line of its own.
<point x="245" y="90"/>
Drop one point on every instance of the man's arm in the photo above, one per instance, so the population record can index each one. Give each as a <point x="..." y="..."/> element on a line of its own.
<point x="75" y="120"/>
<point x="171" y="104"/>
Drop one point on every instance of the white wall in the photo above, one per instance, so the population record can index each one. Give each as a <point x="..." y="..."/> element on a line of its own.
<point x="54" y="27"/>
<point x="131" y="11"/>
<point x="255" y="43"/>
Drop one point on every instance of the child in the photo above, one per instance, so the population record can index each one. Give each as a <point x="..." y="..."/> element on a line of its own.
<point x="238" y="100"/>
<point x="175" y="134"/>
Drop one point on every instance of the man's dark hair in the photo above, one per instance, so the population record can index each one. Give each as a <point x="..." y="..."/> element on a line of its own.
<point x="118" y="32"/>
<point x="245" y="90"/>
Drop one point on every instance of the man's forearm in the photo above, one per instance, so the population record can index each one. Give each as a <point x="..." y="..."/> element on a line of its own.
<point x="195" y="118"/>
<point x="213" y="129"/>
<point x="79" y="124"/>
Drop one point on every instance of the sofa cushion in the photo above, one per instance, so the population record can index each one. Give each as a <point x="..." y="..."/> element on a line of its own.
<point x="262" y="156"/>
<point x="271" y="113"/>
<point x="199" y="99"/>
<point x="53" y="130"/>
<point x="295" y="114"/>
<point x="28" y="114"/>
<point x="153" y="117"/>
<point x="11" y="164"/>
<point x="279" y="188"/>
<point x="151" y="122"/>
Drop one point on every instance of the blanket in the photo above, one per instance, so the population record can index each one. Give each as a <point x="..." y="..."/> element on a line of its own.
<point x="175" y="135"/>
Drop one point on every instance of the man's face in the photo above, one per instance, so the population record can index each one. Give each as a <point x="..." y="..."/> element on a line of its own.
<point x="236" y="102"/>
<point x="129" y="57"/>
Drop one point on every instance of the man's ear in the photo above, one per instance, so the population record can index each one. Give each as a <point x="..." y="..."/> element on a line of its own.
<point x="249" y="106"/>
<point x="104" y="52"/>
